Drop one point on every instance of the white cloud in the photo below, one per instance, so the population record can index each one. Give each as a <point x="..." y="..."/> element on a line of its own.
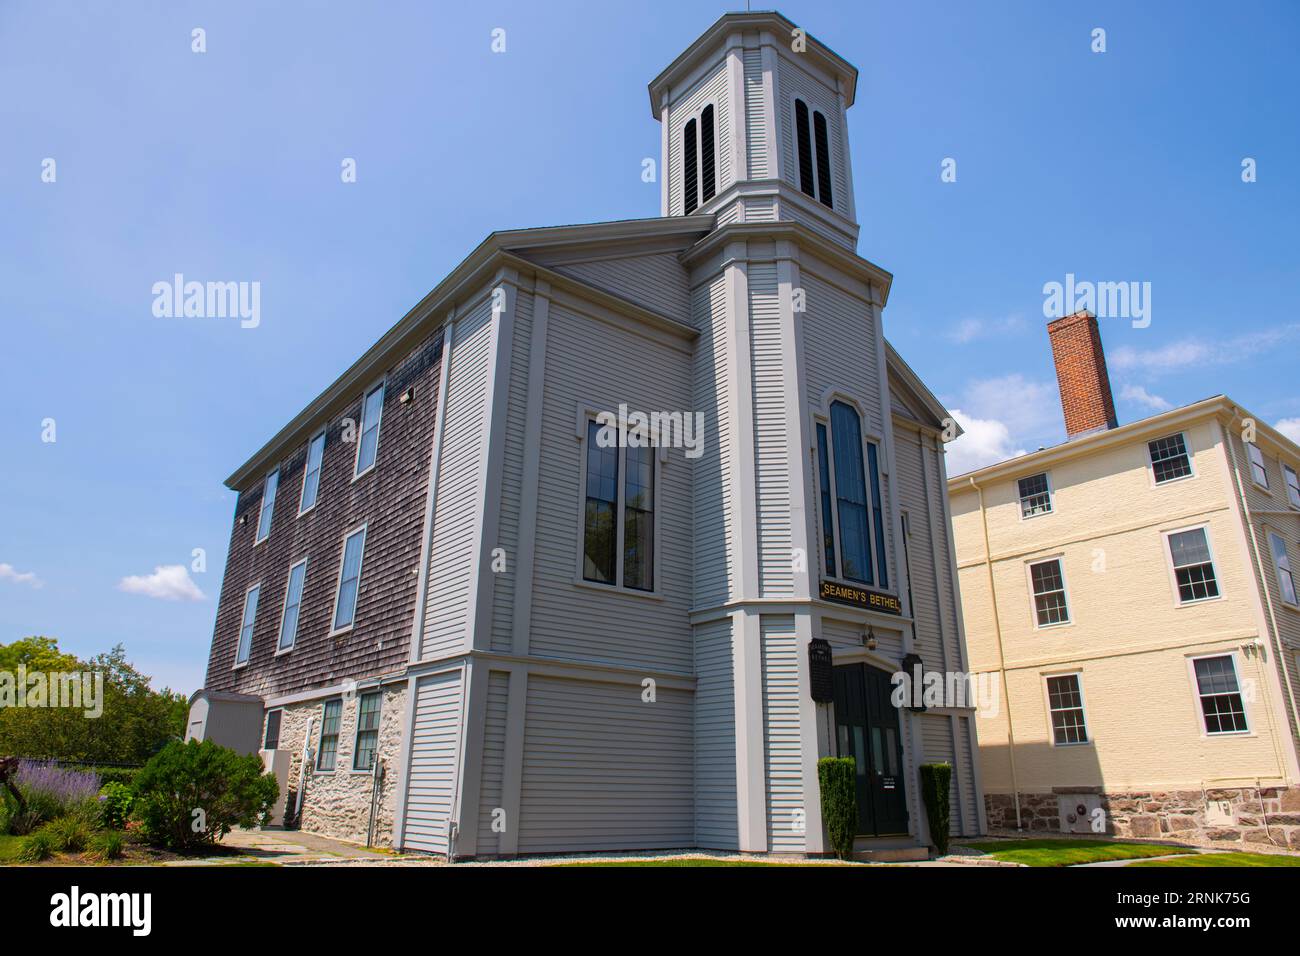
<point x="968" y="330"/>
<point x="1192" y="352"/>
<point x="1139" y="395"/>
<point x="170" y="582"/>
<point x="1290" y="427"/>
<point x="1031" y="410"/>
<point x="9" y="573"/>
<point x="983" y="442"/>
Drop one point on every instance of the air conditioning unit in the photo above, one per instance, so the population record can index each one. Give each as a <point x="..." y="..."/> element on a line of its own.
<point x="277" y="762"/>
<point x="1081" y="813"/>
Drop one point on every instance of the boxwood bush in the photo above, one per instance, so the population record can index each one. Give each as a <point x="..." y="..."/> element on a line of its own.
<point x="839" y="803"/>
<point x="935" y="780"/>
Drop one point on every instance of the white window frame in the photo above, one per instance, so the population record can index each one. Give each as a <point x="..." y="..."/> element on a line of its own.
<point x="1151" y="465"/>
<point x="812" y="141"/>
<point x="1051" y="496"/>
<point x="251" y="625"/>
<point x="338" y="581"/>
<point x="382" y="386"/>
<point x="1199" y="709"/>
<point x="356" y="730"/>
<point x="586" y="414"/>
<point x="265" y="532"/>
<point x="1077" y="674"/>
<point x="284" y="609"/>
<point x="1292" y="482"/>
<point x="1033" y="595"/>
<point x="1280" y="569"/>
<point x="306" y="465"/>
<point x="1173" y="571"/>
<point x="266" y="723"/>
<point x="822" y="416"/>
<point x="698" y="116"/>
<point x="320" y="737"/>
<point x="1254" y="452"/>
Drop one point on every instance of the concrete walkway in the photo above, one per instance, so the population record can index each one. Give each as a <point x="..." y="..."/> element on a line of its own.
<point x="284" y="848"/>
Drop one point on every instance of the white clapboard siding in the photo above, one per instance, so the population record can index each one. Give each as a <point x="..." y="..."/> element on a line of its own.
<point x="592" y="365"/>
<point x="715" y="737"/>
<point x="605" y="770"/>
<point x="937" y="742"/>
<point x="494" y="749"/>
<point x="656" y="281"/>
<point x="915" y="500"/>
<point x="771" y="448"/>
<point x="714" y="519"/>
<point x="755" y="115"/>
<point x="451" y="558"/>
<point x="797" y="82"/>
<point x="786" y="809"/>
<point x="965" y="773"/>
<point x="711" y="88"/>
<point x="512" y="467"/>
<point x="435" y="753"/>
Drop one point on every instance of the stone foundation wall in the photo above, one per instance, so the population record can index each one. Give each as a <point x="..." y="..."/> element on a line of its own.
<point x="1172" y="814"/>
<point x="336" y="803"/>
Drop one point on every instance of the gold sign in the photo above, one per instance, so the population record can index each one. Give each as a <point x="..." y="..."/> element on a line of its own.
<point x="861" y="597"/>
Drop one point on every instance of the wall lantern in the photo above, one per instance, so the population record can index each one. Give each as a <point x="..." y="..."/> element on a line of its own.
<point x="869" y="639"/>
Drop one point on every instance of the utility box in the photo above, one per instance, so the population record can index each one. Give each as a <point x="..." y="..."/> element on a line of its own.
<point x="1081" y="813"/>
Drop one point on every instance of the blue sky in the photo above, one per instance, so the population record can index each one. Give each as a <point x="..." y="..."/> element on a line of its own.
<point x="1115" y="166"/>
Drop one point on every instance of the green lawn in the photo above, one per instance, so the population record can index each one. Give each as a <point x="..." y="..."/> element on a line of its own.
<point x="1227" y="859"/>
<point x="683" y="861"/>
<point x="1070" y="852"/>
<point x="9" y="847"/>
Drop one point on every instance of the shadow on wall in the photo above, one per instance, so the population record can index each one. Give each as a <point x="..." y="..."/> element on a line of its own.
<point x="1070" y="802"/>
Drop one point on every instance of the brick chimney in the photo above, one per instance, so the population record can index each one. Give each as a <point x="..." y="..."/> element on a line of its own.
<point x="1081" y="374"/>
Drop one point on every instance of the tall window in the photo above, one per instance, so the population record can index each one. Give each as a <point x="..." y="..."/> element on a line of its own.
<point x="268" y="506"/>
<point x="246" y="625"/>
<point x="311" y="473"/>
<point x="1258" y="473"/>
<point x="851" y="501"/>
<point x="1292" y="486"/>
<point x="372" y="409"/>
<point x="327" y="752"/>
<point x="814" y="167"/>
<point x="292" y="603"/>
<point x="1048" y="582"/>
<point x="699" y="160"/>
<point x="1169" y="458"/>
<point x="1035" y="496"/>
<point x="1065" y="703"/>
<point x="1193" y="566"/>
<point x="618" y="517"/>
<point x="272" y="739"/>
<point x="1221" y="704"/>
<point x="345" y="603"/>
<point x="1282" y="563"/>
<point x="363" y="754"/>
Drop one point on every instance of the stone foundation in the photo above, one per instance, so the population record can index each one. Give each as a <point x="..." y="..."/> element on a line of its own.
<point x="336" y="803"/>
<point x="1184" y="815"/>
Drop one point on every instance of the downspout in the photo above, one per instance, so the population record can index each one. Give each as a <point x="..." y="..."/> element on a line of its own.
<point x="1276" y="644"/>
<point x="302" y="769"/>
<point x="1002" y="661"/>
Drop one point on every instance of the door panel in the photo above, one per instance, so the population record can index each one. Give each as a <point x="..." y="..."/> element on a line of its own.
<point x="867" y="729"/>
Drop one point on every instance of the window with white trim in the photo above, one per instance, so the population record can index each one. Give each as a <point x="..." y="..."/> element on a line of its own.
<point x="1292" y="486"/>
<point x="292" y="605"/>
<point x="1258" y="473"/>
<point x="1169" y="459"/>
<point x="345" y="601"/>
<point x="1193" y="565"/>
<point x="311" y="473"/>
<point x="271" y="740"/>
<point x="1282" y="564"/>
<point x="245" y="647"/>
<point x="812" y="141"/>
<point x="1065" y="705"/>
<point x="328" y="750"/>
<point x="372" y="410"/>
<point x="618" y="531"/>
<point x="853" y="523"/>
<point x="1048" y="581"/>
<point x="1035" y="495"/>
<point x="699" y="160"/>
<point x="1220" y="695"/>
<point x="367" y="742"/>
<point x="267" y="511"/>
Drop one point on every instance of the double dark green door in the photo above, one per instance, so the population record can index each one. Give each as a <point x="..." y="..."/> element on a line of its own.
<point x="867" y="729"/>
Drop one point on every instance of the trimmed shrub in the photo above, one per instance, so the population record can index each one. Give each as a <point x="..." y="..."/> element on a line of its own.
<point x="39" y="846"/>
<point x="935" y="780"/>
<point x="192" y="794"/>
<point x="108" y="845"/>
<point x="115" y="800"/>
<point x="839" y="803"/>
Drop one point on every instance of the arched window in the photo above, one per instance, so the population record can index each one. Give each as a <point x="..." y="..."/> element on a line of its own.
<point x="690" y="150"/>
<point x="850" y="498"/>
<point x="699" y="160"/>
<point x="813" y="142"/>
<point x="708" y="158"/>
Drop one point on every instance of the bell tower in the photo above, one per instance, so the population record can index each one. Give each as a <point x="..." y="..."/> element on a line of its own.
<point x="753" y="128"/>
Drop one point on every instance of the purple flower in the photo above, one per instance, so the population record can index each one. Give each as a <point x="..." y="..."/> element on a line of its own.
<point x="46" y="782"/>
